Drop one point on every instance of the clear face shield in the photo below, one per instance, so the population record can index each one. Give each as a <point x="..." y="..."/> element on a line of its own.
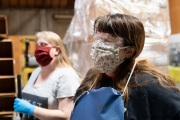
<point x="106" y="37"/>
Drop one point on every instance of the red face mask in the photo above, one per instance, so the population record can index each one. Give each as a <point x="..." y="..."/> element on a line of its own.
<point x="42" y="55"/>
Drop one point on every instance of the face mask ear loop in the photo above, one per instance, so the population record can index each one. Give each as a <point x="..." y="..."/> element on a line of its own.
<point x="129" y="79"/>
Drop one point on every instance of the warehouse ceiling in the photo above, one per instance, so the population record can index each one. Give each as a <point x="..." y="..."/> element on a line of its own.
<point x="65" y="4"/>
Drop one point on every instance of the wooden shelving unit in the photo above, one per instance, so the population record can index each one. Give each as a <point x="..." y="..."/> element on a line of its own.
<point x="8" y="85"/>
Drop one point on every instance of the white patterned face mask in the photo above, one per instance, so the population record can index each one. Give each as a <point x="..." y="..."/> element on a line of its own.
<point x="106" y="55"/>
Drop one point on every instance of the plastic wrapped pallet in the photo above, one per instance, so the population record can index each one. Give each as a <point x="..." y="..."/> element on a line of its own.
<point x="156" y="52"/>
<point x="78" y="38"/>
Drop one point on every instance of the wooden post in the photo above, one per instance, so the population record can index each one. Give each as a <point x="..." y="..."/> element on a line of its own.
<point x="174" y="8"/>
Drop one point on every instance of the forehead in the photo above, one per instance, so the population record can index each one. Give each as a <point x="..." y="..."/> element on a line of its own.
<point x="42" y="39"/>
<point x="108" y="37"/>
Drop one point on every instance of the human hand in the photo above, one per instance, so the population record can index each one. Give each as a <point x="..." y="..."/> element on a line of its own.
<point x="23" y="106"/>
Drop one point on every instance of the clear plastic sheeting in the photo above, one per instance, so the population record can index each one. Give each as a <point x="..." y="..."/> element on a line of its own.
<point x="156" y="52"/>
<point x="78" y="38"/>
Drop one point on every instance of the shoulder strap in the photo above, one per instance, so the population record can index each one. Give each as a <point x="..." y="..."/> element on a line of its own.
<point x="129" y="79"/>
<point x="93" y="83"/>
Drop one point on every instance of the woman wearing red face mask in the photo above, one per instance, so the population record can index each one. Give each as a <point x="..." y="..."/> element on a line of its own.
<point x="51" y="87"/>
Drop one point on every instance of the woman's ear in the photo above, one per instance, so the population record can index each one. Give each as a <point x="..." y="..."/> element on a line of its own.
<point x="58" y="50"/>
<point x="130" y="51"/>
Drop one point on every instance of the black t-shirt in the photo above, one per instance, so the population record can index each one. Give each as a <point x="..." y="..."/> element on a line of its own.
<point x="149" y="101"/>
<point x="106" y="81"/>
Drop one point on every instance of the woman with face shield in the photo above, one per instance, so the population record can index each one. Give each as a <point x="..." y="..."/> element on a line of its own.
<point x="148" y="94"/>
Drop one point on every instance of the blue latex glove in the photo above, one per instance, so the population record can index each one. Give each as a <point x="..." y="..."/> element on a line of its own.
<point x="23" y="106"/>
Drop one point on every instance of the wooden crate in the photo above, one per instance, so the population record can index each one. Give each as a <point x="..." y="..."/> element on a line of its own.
<point x="6" y="67"/>
<point x="7" y="117"/>
<point x="3" y="27"/>
<point x="6" y="49"/>
<point x="6" y="104"/>
<point x="7" y="86"/>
